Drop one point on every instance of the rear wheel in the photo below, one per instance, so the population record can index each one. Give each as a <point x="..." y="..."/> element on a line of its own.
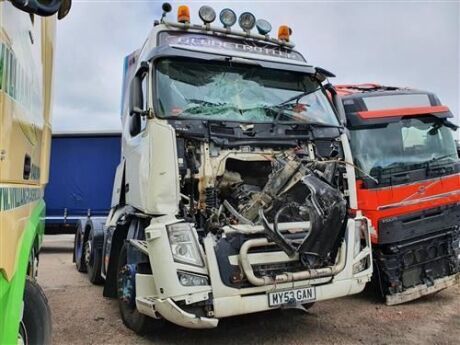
<point x="93" y="259"/>
<point x="126" y="294"/>
<point x="35" y="326"/>
<point x="78" y="246"/>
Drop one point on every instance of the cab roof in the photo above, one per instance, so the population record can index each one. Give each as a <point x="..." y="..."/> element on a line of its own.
<point x="370" y="104"/>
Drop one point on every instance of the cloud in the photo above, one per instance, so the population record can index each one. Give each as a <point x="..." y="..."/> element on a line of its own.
<point x="412" y="44"/>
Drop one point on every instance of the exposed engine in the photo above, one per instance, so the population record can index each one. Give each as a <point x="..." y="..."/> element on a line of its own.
<point x="229" y="188"/>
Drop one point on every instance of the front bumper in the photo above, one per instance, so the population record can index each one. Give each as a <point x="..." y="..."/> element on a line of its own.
<point x="161" y="295"/>
<point x="423" y="290"/>
<point x="238" y="304"/>
<point x="171" y="312"/>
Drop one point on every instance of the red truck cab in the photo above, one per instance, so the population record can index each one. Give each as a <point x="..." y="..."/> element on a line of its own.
<point x="408" y="175"/>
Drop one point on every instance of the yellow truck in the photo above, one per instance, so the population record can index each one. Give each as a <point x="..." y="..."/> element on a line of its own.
<point x="27" y="38"/>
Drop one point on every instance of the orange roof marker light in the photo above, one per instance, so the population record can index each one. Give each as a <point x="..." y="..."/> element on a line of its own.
<point x="183" y="14"/>
<point x="284" y="32"/>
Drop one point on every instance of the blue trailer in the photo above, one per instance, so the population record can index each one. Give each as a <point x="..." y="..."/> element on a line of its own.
<point x="82" y="170"/>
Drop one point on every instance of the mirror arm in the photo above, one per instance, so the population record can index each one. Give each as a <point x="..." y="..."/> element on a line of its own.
<point x="137" y="111"/>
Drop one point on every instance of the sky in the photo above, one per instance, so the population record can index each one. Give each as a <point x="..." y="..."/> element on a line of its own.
<point x="399" y="43"/>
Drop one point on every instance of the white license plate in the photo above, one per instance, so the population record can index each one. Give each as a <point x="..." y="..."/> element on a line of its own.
<point x="302" y="295"/>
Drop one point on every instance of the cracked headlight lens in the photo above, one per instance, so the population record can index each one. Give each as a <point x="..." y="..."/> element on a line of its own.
<point x="184" y="244"/>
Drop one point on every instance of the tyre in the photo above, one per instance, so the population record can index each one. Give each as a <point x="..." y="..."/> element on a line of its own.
<point x="126" y="295"/>
<point x="93" y="260"/>
<point x="78" y="246"/>
<point x="35" y="326"/>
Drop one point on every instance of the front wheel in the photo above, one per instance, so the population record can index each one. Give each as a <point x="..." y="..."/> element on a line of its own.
<point x="35" y="326"/>
<point x="126" y="295"/>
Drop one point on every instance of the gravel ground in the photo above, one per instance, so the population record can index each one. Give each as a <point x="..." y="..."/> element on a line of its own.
<point x="82" y="316"/>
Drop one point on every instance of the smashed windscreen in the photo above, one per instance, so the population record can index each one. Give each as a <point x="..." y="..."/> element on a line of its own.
<point x="235" y="92"/>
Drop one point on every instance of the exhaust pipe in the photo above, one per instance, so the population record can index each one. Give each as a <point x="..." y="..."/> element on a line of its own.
<point x="287" y="276"/>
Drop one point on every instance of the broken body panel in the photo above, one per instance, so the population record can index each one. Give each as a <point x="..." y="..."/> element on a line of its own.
<point x="231" y="196"/>
<point x="408" y="185"/>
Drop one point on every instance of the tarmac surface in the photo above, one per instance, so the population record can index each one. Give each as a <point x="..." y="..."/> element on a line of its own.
<point x="82" y="316"/>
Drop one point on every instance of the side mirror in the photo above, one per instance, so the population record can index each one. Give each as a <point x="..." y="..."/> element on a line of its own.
<point x="322" y="74"/>
<point x="64" y="9"/>
<point x="43" y="8"/>
<point x="136" y="96"/>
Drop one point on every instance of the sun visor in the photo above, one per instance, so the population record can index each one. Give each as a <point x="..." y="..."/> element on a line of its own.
<point x="208" y="55"/>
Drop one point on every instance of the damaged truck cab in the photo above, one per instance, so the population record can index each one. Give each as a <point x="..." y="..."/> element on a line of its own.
<point x="233" y="190"/>
<point x="408" y="186"/>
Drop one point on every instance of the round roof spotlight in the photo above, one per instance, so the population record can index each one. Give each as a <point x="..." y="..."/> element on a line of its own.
<point x="263" y="26"/>
<point x="227" y="18"/>
<point x="166" y="7"/>
<point x="207" y="14"/>
<point x="247" y="21"/>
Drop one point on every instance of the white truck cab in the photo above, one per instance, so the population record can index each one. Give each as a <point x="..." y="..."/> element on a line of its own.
<point x="235" y="187"/>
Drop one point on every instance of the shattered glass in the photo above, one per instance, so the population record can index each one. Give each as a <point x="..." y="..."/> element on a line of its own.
<point x="235" y="92"/>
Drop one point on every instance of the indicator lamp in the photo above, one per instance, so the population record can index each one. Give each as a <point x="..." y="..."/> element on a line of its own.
<point x="227" y="18"/>
<point x="247" y="21"/>
<point x="284" y="32"/>
<point x="263" y="26"/>
<point x="207" y="14"/>
<point x="183" y="14"/>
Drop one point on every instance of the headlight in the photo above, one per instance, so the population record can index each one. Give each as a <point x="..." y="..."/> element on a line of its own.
<point x="189" y="279"/>
<point x="360" y="236"/>
<point x="184" y="245"/>
<point x="361" y="265"/>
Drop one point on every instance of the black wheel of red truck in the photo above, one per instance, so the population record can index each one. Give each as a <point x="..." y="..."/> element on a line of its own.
<point x="93" y="259"/>
<point x="126" y="295"/>
<point x="78" y="246"/>
<point x="35" y="326"/>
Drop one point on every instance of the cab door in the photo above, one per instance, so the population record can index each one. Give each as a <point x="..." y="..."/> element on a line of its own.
<point x="136" y="152"/>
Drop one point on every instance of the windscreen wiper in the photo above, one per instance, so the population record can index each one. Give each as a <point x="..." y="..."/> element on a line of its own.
<point x="297" y="97"/>
<point x="440" y="158"/>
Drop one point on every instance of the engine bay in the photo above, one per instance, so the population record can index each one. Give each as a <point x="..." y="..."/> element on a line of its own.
<point x="267" y="188"/>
